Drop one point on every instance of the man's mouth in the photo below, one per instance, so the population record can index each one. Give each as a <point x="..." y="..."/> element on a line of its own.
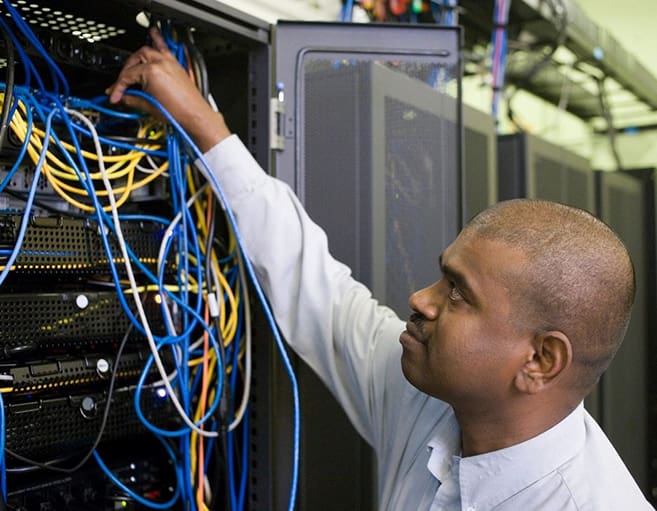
<point x="413" y="332"/>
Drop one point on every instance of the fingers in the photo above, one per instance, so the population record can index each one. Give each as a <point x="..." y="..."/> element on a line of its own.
<point x="135" y="71"/>
<point x="137" y="68"/>
<point x="158" y="41"/>
<point x="160" y="75"/>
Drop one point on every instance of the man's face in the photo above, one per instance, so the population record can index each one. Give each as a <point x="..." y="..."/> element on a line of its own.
<point x="461" y="344"/>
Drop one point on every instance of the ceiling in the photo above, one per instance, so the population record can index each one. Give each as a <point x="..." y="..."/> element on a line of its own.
<point x="630" y="23"/>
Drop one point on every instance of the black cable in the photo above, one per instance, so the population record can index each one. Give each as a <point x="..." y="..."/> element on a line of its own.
<point x="224" y="411"/>
<point x="49" y="464"/>
<point x="611" y="131"/>
<point x="9" y="88"/>
<point x="224" y="446"/>
<point x="557" y="11"/>
<point x="32" y="468"/>
<point x="199" y="66"/>
<point x="135" y="140"/>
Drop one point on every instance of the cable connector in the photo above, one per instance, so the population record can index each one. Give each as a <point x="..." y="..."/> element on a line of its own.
<point x="213" y="305"/>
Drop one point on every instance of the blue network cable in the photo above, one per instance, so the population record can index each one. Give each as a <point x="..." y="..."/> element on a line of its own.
<point x="3" y="468"/>
<point x="143" y="501"/>
<point x="167" y="433"/>
<point x="28" y="204"/>
<point x="57" y="75"/>
<point x="28" y="66"/>
<point x="23" y="150"/>
<point x="216" y="187"/>
<point x="184" y="246"/>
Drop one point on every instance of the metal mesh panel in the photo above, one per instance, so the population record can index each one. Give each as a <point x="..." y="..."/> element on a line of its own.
<point x="549" y="179"/>
<point x="61" y="246"/>
<point x="380" y="168"/>
<point x="416" y="143"/>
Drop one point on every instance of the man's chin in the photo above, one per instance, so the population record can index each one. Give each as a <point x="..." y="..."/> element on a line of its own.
<point x="409" y="370"/>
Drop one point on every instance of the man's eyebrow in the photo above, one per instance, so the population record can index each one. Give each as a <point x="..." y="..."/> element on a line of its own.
<point x="456" y="277"/>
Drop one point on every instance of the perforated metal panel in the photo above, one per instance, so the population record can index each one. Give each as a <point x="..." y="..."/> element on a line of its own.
<point x="372" y="147"/>
<point x="623" y="205"/>
<point x="56" y="427"/>
<point x="41" y="14"/>
<point x="60" y="246"/>
<point x="532" y="167"/>
<point x="67" y="319"/>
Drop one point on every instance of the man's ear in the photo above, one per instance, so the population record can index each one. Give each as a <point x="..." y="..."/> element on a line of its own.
<point x="551" y="355"/>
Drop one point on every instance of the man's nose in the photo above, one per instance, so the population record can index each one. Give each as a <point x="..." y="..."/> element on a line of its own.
<point x="426" y="301"/>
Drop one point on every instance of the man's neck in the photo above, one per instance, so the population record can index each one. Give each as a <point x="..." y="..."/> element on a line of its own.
<point x="491" y="430"/>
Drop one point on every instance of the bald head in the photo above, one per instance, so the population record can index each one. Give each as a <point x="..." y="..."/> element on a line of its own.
<point x="578" y="277"/>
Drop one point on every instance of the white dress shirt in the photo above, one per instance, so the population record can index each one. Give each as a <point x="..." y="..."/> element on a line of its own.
<point x="352" y="342"/>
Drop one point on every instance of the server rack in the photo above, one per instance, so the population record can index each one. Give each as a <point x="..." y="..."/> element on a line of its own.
<point x="89" y="43"/>
<point x="371" y="139"/>
<point x="61" y="331"/>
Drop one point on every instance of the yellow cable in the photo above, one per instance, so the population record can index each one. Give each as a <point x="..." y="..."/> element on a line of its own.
<point x="124" y="167"/>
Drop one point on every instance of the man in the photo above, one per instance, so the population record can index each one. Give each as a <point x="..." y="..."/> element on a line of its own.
<point x="485" y="411"/>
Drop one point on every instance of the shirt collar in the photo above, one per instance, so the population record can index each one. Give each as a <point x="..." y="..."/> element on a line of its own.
<point x="488" y="479"/>
<point x="444" y="444"/>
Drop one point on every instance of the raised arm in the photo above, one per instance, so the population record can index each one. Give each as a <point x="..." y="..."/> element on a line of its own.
<point x="327" y="317"/>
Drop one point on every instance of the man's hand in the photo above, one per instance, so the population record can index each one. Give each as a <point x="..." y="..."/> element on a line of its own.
<point x="158" y="73"/>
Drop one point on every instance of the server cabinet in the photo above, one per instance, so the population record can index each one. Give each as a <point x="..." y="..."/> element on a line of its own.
<point x="531" y="167"/>
<point x="414" y="148"/>
<point x="370" y="143"/>
<point x="626" y="202"/>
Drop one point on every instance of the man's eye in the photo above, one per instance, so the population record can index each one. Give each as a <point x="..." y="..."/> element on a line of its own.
<point x="454" y="293"/>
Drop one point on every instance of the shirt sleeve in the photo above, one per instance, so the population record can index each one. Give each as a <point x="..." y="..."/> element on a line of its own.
<point x="328" y="318"/>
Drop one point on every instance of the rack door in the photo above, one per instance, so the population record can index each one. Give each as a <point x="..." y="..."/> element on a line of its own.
<point x="366" y="127"/>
